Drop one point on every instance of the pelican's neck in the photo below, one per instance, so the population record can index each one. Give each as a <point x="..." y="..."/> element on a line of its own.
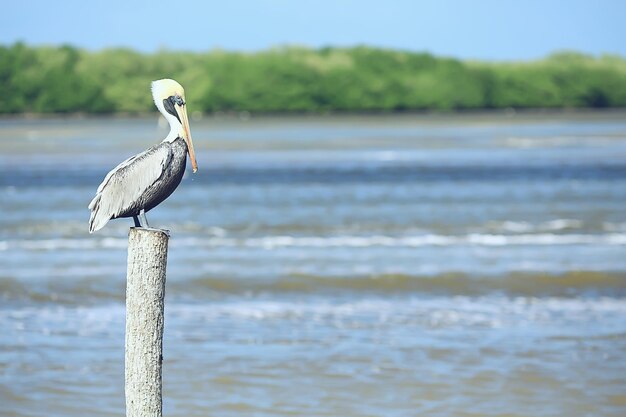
<point x="176" y="128"/>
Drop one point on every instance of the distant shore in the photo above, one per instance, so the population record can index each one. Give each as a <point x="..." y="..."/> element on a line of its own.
<point x="301" y="81"/>
<point x="564" y="113"/>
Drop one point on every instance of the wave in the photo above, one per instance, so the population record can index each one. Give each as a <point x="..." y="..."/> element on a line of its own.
<point x="376" y="171"/>
<point x="518" y="283"/>
<point x="555" y="225"/>
<point x="434" y="312"/>
<point x="270" y="242"/>
<point x="72" y="229"/>
<point x="614" y="227"/>
<point x="108" y="318"/>
<point x="304" y="233"/>
<point x="526" y="142"/>
<point x="526" y="227"/>
<point x="284" y="241"/>
<point x="105" y="288"/>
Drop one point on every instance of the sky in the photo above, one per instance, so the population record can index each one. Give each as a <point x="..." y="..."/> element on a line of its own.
<point x="467" y="29"/>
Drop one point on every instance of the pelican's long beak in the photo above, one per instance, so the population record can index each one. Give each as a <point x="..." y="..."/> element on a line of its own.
<point x="182" y="115"/>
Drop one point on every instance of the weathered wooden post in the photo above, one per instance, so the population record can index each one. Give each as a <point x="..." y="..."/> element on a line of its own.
<point x="145" y="292"/>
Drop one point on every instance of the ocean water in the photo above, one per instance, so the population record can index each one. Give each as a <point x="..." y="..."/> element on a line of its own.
<point x="469" y="265"/>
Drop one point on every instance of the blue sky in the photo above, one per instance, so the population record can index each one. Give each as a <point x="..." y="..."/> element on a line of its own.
<point x="489" y="29"/>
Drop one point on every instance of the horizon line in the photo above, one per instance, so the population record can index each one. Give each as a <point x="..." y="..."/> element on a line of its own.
<point x="301" y="46"/>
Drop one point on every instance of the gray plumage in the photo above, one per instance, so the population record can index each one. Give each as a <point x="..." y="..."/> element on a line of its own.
<point x="139" y="183"/>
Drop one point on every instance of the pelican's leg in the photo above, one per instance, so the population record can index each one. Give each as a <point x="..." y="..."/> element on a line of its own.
<point x="144" y="219"/>
<point x="136" y="220"/>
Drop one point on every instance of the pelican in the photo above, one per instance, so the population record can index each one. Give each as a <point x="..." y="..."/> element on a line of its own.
<point x="143" y="181"/>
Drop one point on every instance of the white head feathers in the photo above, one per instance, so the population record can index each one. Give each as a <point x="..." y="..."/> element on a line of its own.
<point x="162" y="90"/>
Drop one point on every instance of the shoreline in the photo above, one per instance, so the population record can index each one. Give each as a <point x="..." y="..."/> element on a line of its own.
<point x="508" y="113"/>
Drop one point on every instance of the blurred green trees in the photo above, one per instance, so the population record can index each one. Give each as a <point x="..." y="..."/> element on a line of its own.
<point x="65" y="79"/>
<point x="47" y="80"/>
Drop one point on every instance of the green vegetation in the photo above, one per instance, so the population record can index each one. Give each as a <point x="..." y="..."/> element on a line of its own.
<point x="65" y="79"/>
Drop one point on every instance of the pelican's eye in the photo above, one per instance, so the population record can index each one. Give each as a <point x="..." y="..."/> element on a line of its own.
<point x="169" y="103"/>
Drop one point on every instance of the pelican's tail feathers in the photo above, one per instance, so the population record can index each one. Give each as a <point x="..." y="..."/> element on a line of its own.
<point x="98" y="218"/>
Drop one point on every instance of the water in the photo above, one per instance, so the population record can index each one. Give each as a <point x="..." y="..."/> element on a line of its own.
<point x="356" y="266"/>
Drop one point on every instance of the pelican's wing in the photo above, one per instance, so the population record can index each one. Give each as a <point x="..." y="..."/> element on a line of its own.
<point x="125" y="184"/>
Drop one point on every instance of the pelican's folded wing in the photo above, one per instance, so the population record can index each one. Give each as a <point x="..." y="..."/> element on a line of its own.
<point x="125" y="184"/>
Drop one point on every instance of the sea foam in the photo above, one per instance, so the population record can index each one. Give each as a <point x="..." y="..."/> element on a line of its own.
<point x="350" y="241"/>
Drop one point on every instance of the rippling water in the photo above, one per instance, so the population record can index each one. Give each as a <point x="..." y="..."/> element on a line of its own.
<point x="384" y="266"/>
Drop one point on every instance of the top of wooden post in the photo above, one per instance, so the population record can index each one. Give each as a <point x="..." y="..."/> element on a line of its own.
<point x="148" y="230"/>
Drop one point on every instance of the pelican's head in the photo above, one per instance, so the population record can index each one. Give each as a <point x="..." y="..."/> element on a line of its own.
<point x="169" y="97"/>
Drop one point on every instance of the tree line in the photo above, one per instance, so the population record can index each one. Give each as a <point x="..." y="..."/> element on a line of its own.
<point x="66" y="79"/>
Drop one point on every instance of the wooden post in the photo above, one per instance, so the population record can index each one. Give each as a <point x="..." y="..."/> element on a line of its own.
<point x="145" y="291"/>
